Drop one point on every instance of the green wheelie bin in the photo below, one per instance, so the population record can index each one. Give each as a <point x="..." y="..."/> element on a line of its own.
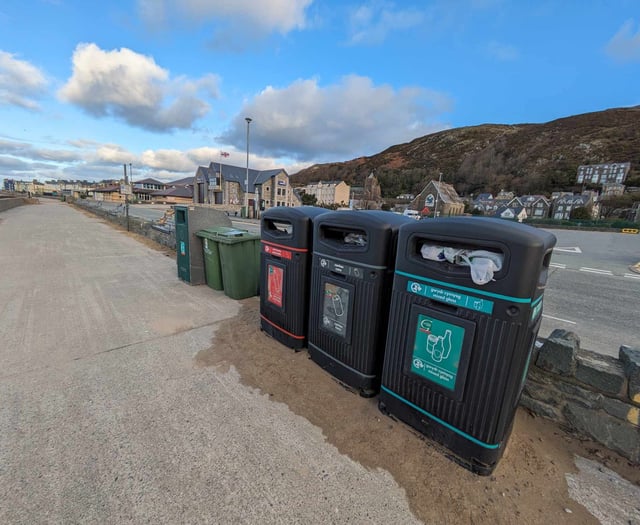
<point x="210" y="245"/>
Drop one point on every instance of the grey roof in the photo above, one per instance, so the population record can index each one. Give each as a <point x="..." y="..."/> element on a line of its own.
<point x="187" y="181"/>
<point x="149" y="181"/>
<point x="516" y="210"/>
<point x="239" y="175"/>
<point x="178" y="191"/>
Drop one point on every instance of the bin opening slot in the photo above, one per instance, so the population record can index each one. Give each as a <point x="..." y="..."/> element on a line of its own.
<point x="278" y="227"/>
<point x="344" y="237"/>
<point x="544" y="273"/>
<point x="480" y="262"/>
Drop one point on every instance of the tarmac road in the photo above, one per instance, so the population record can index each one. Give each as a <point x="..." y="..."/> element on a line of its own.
<point x="105" y="418"/>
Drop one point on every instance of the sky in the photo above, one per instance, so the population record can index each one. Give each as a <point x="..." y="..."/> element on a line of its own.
<point x="166" y="85"/>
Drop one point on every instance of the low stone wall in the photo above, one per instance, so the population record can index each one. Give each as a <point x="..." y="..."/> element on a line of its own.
<point x="12" y="202"/>
<point x="593" y="395"/>
<point x="163" y="237"/>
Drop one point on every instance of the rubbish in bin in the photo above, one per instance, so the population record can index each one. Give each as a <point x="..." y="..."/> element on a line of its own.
<point x="483" y="263"/>
<point x="457" y="352"/>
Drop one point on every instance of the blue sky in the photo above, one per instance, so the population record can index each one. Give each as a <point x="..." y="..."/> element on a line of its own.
<point x="165" y="85"/>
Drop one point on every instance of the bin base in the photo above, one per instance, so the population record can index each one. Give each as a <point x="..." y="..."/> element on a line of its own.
<point x="474" y="457"/>
<point x="366" y="385"/>
<point x="296" y="342"/>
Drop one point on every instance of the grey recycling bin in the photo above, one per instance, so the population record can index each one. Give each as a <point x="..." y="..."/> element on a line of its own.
<point x="351" y="277"/>
<point x="457" y="351"/>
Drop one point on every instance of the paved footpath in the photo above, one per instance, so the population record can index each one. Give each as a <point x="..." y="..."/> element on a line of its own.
<point x="105" y="418"/>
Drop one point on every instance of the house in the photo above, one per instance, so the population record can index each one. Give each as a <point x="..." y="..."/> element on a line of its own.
<point x="175" y="192"/>
<point x="438" y="199"/>
<point x="224" y="184"/>
<point x="329" y="192"/>
<point x="110" y="193"/>
<point x="485" y="203"/>
<point x="143" y="189"/>
<point x="536" y="206"/>
<point x="562" y="206"/>
<point x="511" y="213"/>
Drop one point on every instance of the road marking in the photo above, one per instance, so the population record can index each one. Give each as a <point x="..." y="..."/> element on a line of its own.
<point x="632" y="276"/>
<point x="558" y="319"/>
<point x="573" y="249"/>
<point x="558" y="265"/>
<point x="596" y="270"/>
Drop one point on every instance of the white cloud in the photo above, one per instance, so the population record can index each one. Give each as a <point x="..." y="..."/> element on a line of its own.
<point x="168" y="159"/>
<point x="502" y="52"/>
<point x="354" y="117"/>
<point x="624" y="46"/>
<point x="20" y="82"/>
<point x="371" y="23"/>
<point x="133" y="88"/>
<point x="234" y="22"/>
<point x="113" y="154"/>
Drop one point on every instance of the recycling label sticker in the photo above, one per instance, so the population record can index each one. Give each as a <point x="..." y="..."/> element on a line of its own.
<point x="437" y="350"/>
<point x="275" y="284"/>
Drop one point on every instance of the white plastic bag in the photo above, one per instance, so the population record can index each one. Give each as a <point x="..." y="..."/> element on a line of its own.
<point x="483" y="265"/>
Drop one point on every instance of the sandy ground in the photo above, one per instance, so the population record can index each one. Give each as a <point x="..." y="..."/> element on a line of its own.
<point x="545" y="476"/>
<point x="528" y="486"/>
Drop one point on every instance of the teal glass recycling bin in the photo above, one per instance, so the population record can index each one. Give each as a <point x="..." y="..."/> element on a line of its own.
<point x="459" y="342"/>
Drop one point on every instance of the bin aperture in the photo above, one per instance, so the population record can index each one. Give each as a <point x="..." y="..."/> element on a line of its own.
<point x="351" y="277"/>
<point x="457" y="352"/>
<point x="285" y="266"/>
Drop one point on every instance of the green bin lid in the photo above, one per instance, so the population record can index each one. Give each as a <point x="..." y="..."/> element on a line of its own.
<point x="235" y="239"/>
<point x="218" y="232"/>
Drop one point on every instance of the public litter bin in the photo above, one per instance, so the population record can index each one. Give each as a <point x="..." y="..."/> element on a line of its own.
<point x="183" y="248"/>
<point x="351" y="278"/>
<point x="285" y="272"/>
<point x="240" y="263"/>
<point x="462" y="330"/>
<point x="212" y="266"/>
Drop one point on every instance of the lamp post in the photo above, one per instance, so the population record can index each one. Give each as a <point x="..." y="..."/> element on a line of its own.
<point x="246" y="192"/>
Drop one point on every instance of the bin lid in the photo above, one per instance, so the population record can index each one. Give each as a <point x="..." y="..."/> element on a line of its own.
<point x="217" y="232"/>
<point x="235" y="239"/>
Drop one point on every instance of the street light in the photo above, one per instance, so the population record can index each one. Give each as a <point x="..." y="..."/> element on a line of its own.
<point x="246" y="188"/>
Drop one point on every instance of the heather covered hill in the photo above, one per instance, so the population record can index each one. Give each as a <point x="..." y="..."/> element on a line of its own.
<point x="525" y="158"/>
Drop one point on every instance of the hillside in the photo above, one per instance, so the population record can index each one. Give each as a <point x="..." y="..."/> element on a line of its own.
<point x="525" y="158"/>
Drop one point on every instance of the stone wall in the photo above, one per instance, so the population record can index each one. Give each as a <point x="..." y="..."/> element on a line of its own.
<point x="12" y="202"/>
<point x="161" y="236"/>
<point x="593" y="395"/>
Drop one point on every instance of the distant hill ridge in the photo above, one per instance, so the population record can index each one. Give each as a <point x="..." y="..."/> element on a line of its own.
<point x="524" y="158"/>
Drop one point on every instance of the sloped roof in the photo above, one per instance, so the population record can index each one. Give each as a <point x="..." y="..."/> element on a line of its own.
<point x="238" y="174"/>
<point x="108" y="189"/>
<point x="178" y="191"/>
<point x="516" y="210"/>
<point x="149" y="181"/>
<point x="447" y="192"/>
<point x="187" y="181"/>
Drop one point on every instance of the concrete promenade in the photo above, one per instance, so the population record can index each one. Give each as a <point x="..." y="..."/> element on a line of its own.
<point x="106" y="418"/>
